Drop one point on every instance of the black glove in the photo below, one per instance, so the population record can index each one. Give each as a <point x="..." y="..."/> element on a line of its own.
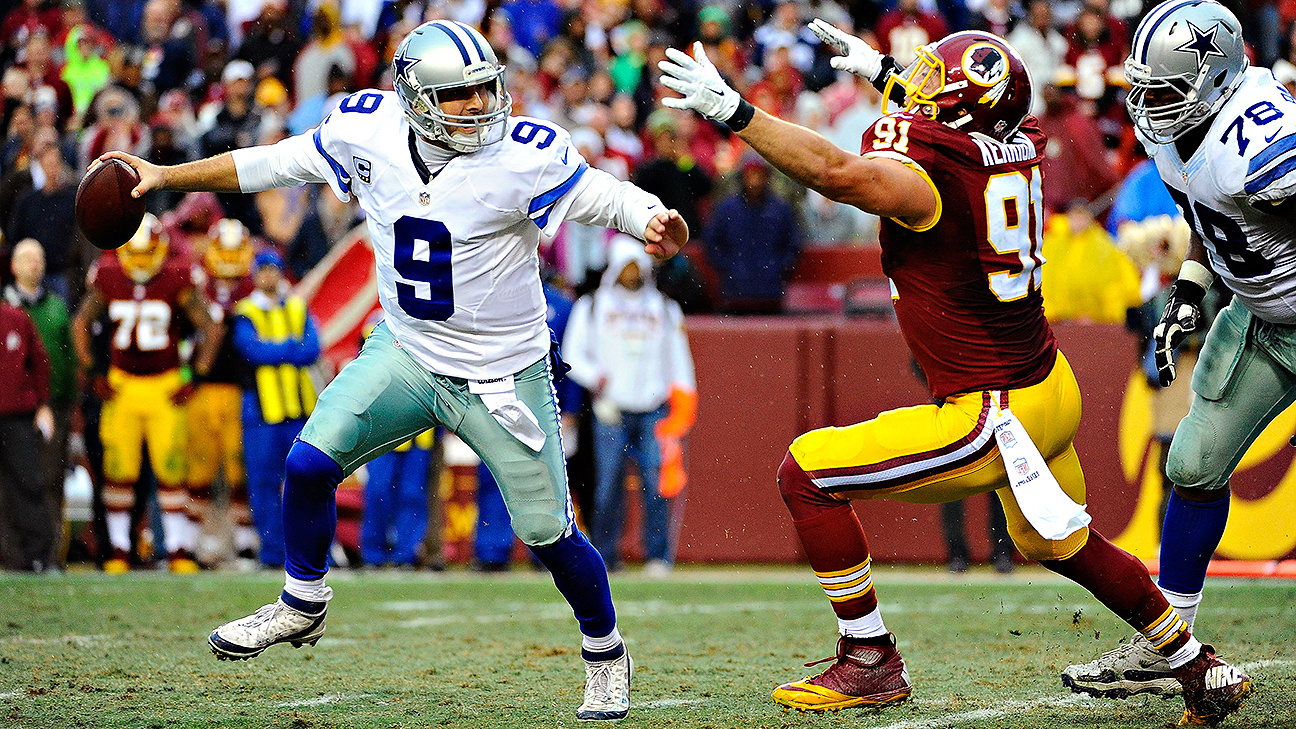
<point x="1180" y="318"/>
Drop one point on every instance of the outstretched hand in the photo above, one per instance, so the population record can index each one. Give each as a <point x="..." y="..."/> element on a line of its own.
<point x="856" y="56"/>
<point x="150" y="174"/>
<point x="666" y="235"/>
<point x="697" y="79"/>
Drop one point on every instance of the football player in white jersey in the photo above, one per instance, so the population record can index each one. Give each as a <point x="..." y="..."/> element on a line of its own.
<point x="1223" y="137"/>
<point x="456" y="193"/>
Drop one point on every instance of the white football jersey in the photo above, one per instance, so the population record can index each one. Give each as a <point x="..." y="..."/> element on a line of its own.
<point x="456" y="250"/>
<point x="1247" y="157"/>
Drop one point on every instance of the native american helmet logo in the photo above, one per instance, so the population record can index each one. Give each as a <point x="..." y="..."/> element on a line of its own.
<point x="984" y="65"/>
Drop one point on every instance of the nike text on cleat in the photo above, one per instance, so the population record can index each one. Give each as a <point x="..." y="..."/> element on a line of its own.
<point x="1212" y="689"/>
<point x="861" y="675"/>
<point x="607" y="689"/>
<point x="286" y="620"/>
<point x="1133" y="667"/>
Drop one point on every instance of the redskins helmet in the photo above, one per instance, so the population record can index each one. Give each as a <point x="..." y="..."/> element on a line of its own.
<point x="971" y="81"/>
<point x="144" y="253"/>
<point x="229" y="249"/>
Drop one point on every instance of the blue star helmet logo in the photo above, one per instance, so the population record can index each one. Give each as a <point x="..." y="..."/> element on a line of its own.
<point x="402" y="63"/>
<point x="1203" y="44"/>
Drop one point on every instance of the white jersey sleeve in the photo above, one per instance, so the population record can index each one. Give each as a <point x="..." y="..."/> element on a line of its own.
<point x="320" y="155"/>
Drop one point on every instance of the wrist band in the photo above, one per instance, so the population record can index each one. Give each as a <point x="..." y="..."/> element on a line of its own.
<point x="1197" y="273"/>
<point x="742" y="117"/>
<point x="889" y="66"/>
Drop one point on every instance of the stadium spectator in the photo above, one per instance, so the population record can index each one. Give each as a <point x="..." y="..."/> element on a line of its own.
<point x="786" y="31"/>
<point x="235" y="123"/>
<point x="752" y="242"/>
<point x="116" y="125"/>
<point x="1088" y="278"/>
<point x="1041" y="47"/>
<point x="672" y="174"/>
<point x="46" y="213"/>
<point x="279" y="342"/>
<point x="272" y="42"/>
<point x="326" y="48"/>
<point x="25" y="422"/>
<point x="1141" y="195"/>
<point x="171" y="44"/>
<point x="907" y="27"/>
<point x="84" y="69"/>
<point x="1095" y="53"/>
<point x="996" y="16"/>
<point x="43" y="69"/>
<point x="147" y="288"/>
<point x="214" y="412"/>
<point x="27" y="19"/>
<point x="50" y="315"/>
<point x="625" y="344"/>
<point x="1075" y="151"/>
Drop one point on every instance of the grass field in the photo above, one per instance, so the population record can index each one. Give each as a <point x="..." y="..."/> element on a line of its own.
<point x="462" y="650"/>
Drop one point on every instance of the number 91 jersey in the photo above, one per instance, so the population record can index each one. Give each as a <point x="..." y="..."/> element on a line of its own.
<point x="967" y="285"/>
<point x="456" y="248"/>
<point x="1248" y="157"/>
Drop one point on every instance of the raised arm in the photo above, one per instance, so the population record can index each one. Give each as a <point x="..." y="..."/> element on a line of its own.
<point x="213" y="174"/>
<point x="881" y="186"/>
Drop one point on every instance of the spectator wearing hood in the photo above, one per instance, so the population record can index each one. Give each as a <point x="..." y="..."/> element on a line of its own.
<point x="625" y="343"/>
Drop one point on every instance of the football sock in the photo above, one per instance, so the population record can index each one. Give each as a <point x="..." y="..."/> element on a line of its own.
<point x="176" y="528"/>
<point x="1185" y="654"/>
<point x="869" y="626"/>
<point x="309" y="510"/>
<point x="119" y="523"/>
<point x="602" y="649"/>
<point x="834" y="542"/>
<point x="1185" y="605"/>
<point x="1121" y="582"/>
<point x="313" y="592"/>
<point x="1189" y="537"/>
<point x="580" y="575"/>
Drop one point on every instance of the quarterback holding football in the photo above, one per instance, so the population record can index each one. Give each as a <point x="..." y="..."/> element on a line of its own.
<point x="456" y="193"/>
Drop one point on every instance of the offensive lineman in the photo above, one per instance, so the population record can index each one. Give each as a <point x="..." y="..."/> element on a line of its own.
<point x="1223" y="137"/>
<point x="456" y="194"/>
<point x="955" y="175"/>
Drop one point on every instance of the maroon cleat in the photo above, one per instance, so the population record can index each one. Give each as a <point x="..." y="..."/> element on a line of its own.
<point x="863" y="674"/>
<point x="1212" y="689"/>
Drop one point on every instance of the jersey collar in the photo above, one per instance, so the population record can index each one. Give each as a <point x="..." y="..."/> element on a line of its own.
<point x="424" y="173"/>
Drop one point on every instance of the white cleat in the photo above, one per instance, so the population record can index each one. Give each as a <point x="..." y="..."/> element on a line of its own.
<point x="1133" y="667"/>
<point x="607" y="689"/>
<point x="286" y="620"/>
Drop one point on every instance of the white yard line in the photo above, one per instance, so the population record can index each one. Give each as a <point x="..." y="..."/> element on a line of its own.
<point x="11" y="694"/>
<point x="668" y="703"/>
<point x="322" y="700"/>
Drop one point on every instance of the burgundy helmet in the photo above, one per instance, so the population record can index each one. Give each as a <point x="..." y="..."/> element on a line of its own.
<point x="972" y="81"/>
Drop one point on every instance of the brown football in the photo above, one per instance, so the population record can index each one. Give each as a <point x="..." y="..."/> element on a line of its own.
<point x="105" y="211"/>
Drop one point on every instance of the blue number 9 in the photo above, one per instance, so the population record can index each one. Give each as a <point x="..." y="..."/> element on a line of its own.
<point x="435" y="272"/>
<point x="365" y="103"/>
<point x="525" y="131"/>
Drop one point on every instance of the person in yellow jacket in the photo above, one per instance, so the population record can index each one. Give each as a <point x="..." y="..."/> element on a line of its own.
<point x="1088" y="278"/>
<point x="278" y="341"/>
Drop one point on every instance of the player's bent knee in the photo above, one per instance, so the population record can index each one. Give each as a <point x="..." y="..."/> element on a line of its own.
<point x="1189" y="463"/>
<point x="804" y="500"/>
<point x="1038" y="549"/>
<point x="308" y="465"/>
<point x="539" y="530"/>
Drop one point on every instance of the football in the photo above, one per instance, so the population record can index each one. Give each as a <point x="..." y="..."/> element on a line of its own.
<point x="105" y="211"/>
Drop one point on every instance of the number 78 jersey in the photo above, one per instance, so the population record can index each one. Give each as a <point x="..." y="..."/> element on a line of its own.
<point x="967" y="285"/>
<point x="1248" y="157"/>
<point x="456" y="248"/>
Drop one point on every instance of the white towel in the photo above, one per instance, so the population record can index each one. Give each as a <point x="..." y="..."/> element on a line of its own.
<point x="500" y="398"/>
<point x="1043" y="502"/>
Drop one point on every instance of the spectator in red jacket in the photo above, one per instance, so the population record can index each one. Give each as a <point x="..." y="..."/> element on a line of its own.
<point x="1075" y="151"/>
<point x="908" y="27"/>
<point x="26" y="422"/>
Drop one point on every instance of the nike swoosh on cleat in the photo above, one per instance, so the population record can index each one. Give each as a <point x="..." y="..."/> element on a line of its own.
<point x="1270" y="138"/>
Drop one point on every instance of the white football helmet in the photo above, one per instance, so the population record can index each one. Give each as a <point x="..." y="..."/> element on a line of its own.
<point x="437" y="57"/>
<point x="1186" y="59"/>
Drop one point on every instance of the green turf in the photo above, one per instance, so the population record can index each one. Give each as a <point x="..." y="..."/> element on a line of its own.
<point x="460" y="650"/>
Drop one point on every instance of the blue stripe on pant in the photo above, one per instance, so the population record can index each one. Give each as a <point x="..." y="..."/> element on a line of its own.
<point x="265" y="449"/>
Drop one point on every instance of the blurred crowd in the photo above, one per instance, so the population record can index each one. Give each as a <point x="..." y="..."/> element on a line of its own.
<point x="176" y="80"/>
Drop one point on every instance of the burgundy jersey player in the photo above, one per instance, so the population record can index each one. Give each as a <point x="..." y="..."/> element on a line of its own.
<point x="955" y="176"/>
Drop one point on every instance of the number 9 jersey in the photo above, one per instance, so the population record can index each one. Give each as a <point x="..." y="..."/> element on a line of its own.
<point x="966" y="285"/>
<point x="456" y="245"/>
<point x="1246" y="161"/>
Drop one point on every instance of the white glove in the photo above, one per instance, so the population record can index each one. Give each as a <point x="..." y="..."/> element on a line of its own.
<point x="856" y="56"/>
<point x="700" y="84"/>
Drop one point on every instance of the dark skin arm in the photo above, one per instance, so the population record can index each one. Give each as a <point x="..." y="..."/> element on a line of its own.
<point x="196" y="308"/>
